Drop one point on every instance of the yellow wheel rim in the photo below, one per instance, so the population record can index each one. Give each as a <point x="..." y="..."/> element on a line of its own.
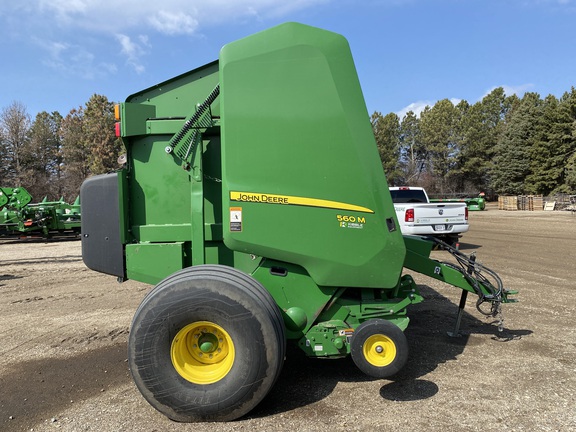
<point x="379" y="350"/>
<point x="202" y="352"/>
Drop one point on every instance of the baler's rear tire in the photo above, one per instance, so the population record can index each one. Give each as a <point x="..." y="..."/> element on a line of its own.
<point x="379" y="348"/>
<point x="207" y="344"/>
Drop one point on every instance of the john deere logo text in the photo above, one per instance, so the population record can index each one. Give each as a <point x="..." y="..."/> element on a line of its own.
<point x="294" y="200"/>
<point x="263" y="198"/>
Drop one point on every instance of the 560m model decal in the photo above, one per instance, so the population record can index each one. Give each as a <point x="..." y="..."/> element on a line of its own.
<point x="294" y="200"/>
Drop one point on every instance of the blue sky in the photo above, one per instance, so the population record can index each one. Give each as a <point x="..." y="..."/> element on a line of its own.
<point x="56" y="53"/>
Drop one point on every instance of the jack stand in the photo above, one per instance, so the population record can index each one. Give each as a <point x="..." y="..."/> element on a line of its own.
<point x="470" y="271"/>
<point x="456" y="332"/>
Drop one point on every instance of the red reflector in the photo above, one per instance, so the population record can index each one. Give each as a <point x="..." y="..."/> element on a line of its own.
<point x="409" y="215"/>
<point x="117" y="129"/>
<point x="466" y="212"/>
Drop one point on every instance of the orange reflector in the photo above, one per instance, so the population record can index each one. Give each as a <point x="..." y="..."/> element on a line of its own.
<point x="117" y="112"/>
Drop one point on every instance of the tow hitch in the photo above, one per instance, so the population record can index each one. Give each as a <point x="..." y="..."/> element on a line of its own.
<point x="466" y="273"/>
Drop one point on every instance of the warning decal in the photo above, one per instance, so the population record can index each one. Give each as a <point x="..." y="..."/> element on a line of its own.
<point x="236" y="219"/>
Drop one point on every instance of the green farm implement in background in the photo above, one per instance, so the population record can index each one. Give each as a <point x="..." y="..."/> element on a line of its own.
<point x="19" y="217"/>
<point x="476" y="203"/>
<point x="253" y="197"/>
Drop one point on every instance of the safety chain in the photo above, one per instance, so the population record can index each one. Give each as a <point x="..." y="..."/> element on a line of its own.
<point x="214" y="179"/>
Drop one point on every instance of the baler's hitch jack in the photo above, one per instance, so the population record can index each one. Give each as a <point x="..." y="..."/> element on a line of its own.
<point x="467" y="274"/>
<point x="472" y="272"/>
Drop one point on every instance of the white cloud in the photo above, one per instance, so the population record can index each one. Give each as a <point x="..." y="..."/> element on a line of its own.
<point x="73" y="60"/>
<point x="173" y="23"/>
<point x="518" y="90"/>
<point x="169" y="16"/>
<point x="562" y="2"/>
<point x="416" y="107"/>
<point x="81" y="28"/>
<point x="55" y="49"/>
<point x="419" y="106"/>
<point x="133" y="51"/>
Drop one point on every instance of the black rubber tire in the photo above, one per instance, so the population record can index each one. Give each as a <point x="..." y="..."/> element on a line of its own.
<point x="230" y="299"/>
<point x="377" y="328"/>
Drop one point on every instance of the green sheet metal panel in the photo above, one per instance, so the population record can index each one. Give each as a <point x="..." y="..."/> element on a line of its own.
<point x="164" y="258"/>
<point x="302" y="178"/>
<point x="178" y="96"/>
<point x="159" y="189"/>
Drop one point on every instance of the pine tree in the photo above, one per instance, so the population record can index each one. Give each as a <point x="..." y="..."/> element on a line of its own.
<point x="571" y="173"/>
<point x="89" y="143"/>
<point x="511" y="163"/>
<point x="387" y="134"/>
<point x="412" y="152"/>
<point x="14" y="127"/>
<point x="562" y="139"/>
<point x="437" y="135"/>
<point x="43" y="156"/>
<point x="99" y="134"/>
<point x="570" y="170"/>
<point x="543" y="176"/>
<point x="481" y="126"/>
<point x="75" y="152"/>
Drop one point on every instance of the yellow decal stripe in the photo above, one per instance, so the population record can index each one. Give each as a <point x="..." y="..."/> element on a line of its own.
<point x="294" y="200"/>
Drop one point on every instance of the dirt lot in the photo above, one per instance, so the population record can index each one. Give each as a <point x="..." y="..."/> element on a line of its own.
<point x="63" y="333"/>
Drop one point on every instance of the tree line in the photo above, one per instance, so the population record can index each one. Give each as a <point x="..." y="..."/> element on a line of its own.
<point x="52" y="155"/>
<point x="501" y="145"/>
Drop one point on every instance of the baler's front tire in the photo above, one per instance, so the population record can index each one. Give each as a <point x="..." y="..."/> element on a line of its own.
<point x="379" y="348"/>
<point x="207" y="344"/>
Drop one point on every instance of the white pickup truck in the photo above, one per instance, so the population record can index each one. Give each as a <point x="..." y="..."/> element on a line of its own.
<point x="417" y="216"/>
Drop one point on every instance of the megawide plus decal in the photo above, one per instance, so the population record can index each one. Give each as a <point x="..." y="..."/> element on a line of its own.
<point x="294" y="200"/>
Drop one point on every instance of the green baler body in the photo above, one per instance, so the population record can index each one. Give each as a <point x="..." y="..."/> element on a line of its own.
<point x="264" y="161"/>
<point x="285" y="184"/>
<point x="291" y="152"/>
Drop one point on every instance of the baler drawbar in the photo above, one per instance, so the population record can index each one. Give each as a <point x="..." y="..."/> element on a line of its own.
<point x="466" y="273"/>
<point x="253" y="197"/>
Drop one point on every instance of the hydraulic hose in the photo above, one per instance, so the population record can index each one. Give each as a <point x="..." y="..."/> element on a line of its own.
<point x="472" y="271"/>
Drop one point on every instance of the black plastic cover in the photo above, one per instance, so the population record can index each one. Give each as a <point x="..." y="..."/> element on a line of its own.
<point x="102" y="248"/>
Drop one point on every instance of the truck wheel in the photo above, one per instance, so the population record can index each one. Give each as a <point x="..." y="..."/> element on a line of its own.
<point x="379" y="348"/>
<point x="207" y="344"/>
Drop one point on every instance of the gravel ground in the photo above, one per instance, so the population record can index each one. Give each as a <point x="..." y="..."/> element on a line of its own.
<point x="63" y="333"/>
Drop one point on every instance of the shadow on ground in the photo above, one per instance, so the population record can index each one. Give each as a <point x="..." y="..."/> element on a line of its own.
<point x="33" y="391"/>
<point x="306" y="381"/>
<point x="36" y="390"/>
